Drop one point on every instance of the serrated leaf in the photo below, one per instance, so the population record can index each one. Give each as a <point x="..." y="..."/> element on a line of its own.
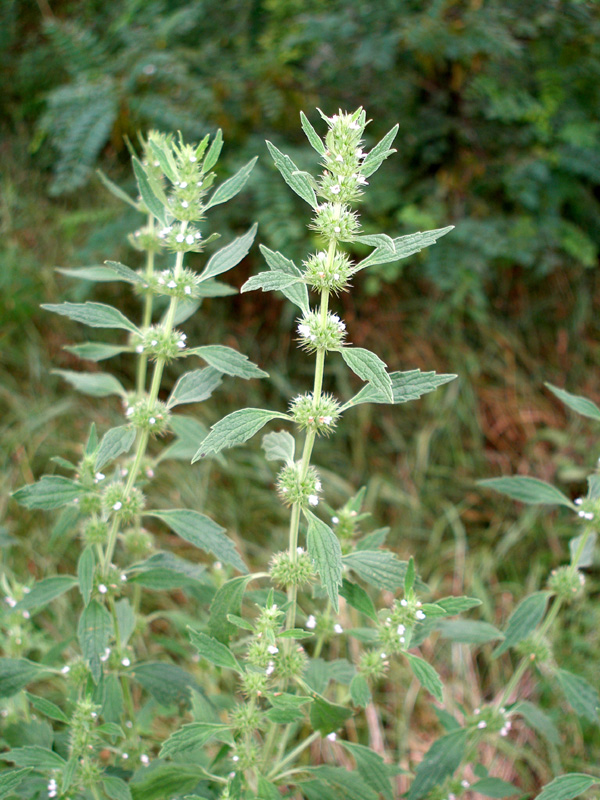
<point x="469" y="631"/>
<point x="51" y="491"/>
<point x="96" y="351"/>
<point x="523" y="620"/>
<point x="439" y="762"/>
<point x="379" y="153"/>
<point x="167" y="683"/>
<point x="213" y="288"/>
<point x="409" y="578"/>
<point x="189" y="433"/>
<point x="583" y="406"/>
<point x="527" y="490"/>
<point x="114" y="443"/>
<point x="369" y="367"/>
<point x="327" y="717"/>
<point x="17" y="673"/>
<point x="214" y="151"/>
<point x="296" y="293"/>
<point x="229" y="256"/>
<point x="271" y="281"/>
<point x="406" y="386"/>
<point x="46" y="590"/>
<point x="566" y="787"/>
<point x="194" y="736"/>
<point x="149" y="198"/>
<point x="116" y="190"/>
<point x="311" y="134"/>
<point x="380" y="568"/>
<point x="359" y="691"/>
<point x="538" y="720"/>
<point x="324" y="548"/>
<point x="356" y="596"/>
<point x="279" y="446"/>
<point x="232" y="186"/>
<point x="34" y="756"/>
<point x="267" y="790"/>
<point x="457" y="605"/>
<point x="126" y="620"/>
<point x="300" y="182"/>
<point x="227" y="600"/>
<point x="346" y="783"/>
<point x="46" y="707"/>
<point x="96" y="315"/>
<point x="319" y="673"/>
<point x="404" y="246"/>
<point x="371" y="767"/>
<point x="203" y="532"/>
<point x="96" y="384"/>
<point x="85" y="573"/>
<point x="214" y="651"/>
<point x="160" y="781"/>
<point x="10" y="779"/>
<point x="229" y="361"/>
<point x="426" y="675"/>
<point x="235" y="429"/>
<point x="194" y="387"/>
<point x="95" y="273"/>
<point x="126" y="273"/>
<point x="116" y="788"/>
<point x="582" y="697"/>
<point x="494" y="787"/>
<point x="94" y="632"/>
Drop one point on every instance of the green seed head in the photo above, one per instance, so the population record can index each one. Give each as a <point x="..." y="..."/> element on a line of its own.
<point x="156" y="341"/>
<point x="145" y="239"/>
<point x="320" y="274"/>
<point x="95" y="531"/>
<point x="318" y="334"/>
<point x="124" y="507"/>
<point x="373" y="664"/>
<point x="286" y="571"/>
<point x="149" y="415"/>
<point x="293" y="488"/>
<point x="567" y="585"/>
<point x="336" y="222"/>
<point x="318" y="415"/>
<point x="139" y="543"/>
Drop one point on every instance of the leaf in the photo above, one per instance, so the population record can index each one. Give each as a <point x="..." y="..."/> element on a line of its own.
<point x="538" y="720"/>
<point x="189" y="433"/>
<point x="586" y="557"/>
<point x="17" y="673"/>
<point x="296" y="293"/>
<point x="161" y="780"/>
<point x="279" y="446"/>
<point x="232" y="186"/>
<point x="85" y="572"/>
<point x="116" y="190"/>
<point x="229" y="256"/>
<point x="96" y="351"/>
<point x="369" y="367"/>
<point x="114" y="443"/>
<point x="406" y="386"/>
<point x="194" y="387"/>
<point x="228" y="361"/>
<point x="527" y="490"/>
<point x="116" y="788"/>
<point x="356" y="596"/>
<point x="202" y="532"/>
<point x="47" y="707"/>
<point x="227" y="600"/>
<point x="96" y="315"/>
<point x="320" y="672"/>
<point x="51" y="491"/>
<point x="359" y="691"/>
<point x="127" y="274"/>
<point x="494" y="787"/>
<point x="215" y="652"/>
<point x="235" y="429"/>
<point x="212" y="288"/>
<point x="346" y="783"/>
<point x="300" y="182"/>
<point x="150" y="200"/>
<point x="96" y="384"/>
<point x="327" y="717"/>
<point x="379" y="153"/>
<point x="34" y="756"/>
<point x="583" y="406"/>
<point x="194" y="736"/>
<point x="46" y="590"/>
<point x="167" y="683"/>
<point x="469" y="631"/>
<point x="97" y="274"/>
<point x="380" y="568"/>
<point x="125" y="619"/>
<point x="267" y="790"/>
<point x="439" y="762"/>
<point x="409" y="578"/>
<point x="214" y="151"/>
<point x="273" y="281"/>
<point x="582" y="697"/>
<point x="10" y="779"/>
<point x="311" y="134"/>
<point x="324" y="548"/>
<point x="94" y="632"/>
<point x="371" y="767"/>
<point x="456" y="605"/>
<point x="426" y="675"/>
<point x="404" y="246"/>
<point x="566" y="787"/>
<point x="523" y="620"/>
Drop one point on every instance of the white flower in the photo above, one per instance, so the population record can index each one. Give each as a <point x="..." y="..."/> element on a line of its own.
<point x="10" y="601"/>
<point x="125" y="756"/>
<point x="339" y="158"/>
<point x="126" y="662"/>
<point x="338" y="628"/>
<point x="106" y="655"/>
<point x="190" y="238"/>
<point x="465" y="784"/>
<point x="335" y="189"/>
<point x="401" y="630"/>
<point x="335" y="520"/>
<point x="152" y="420"/>
<point x="100" y="476"/>
<point x="318" y="486"/>
<point x="154" y="342"/>
<point x="183" y="184"/>
<point x="270" y="668"/>
<point x="311" y="623"/>
<point x="420" y="614"/>
<point x="303" y="329"/>
<point x="272" y="649"/>
<point x="354" y="126"/>
<point x="404" y="602"/>
<point x="65" y="669"/>
<point x="138" y="349"/>
<point x="313" y="499"/>
<point x="184" y="204"/>
<point x="193" y="159"/>
<point x="102" y="588"/>
<point x="382" y="655"/>
<point x="332" y="737"/>
<point x="482" y="724"/>
<point x="198" y="235"/>
<point x="180" y="344"/>
<point x="299" y="550"/>
<point x="188" y="290"/>
<point x="171" y="285"/>
<point x="579" y="500"/>
<point x="180" y="237"/>
<point x="144" y="759"/>
<point x="337" y="229"/>
<point x="26" y="614"/>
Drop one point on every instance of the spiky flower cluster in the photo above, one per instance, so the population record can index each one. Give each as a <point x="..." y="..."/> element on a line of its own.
<point x="286" y="571"/>
<point x="138" y="542"/>
<point x="294" y="487"/>
<point x="324" y="273"/>
<point x="158" y="342"/>
<point x="316" y="333"/>
<point x="373" y="664"/>
<point x="319" y="415"/>
<point x="536" y="649"/>
<point x="567" y="584"/>
<point x="397" y="623"/>
<point x="588" y="507"/>
<point x="490" y="720"/>
<point x="342" y="179"/>
<point x="95" y="531"/>
<point x="181" y="239"/>
<point x="117" y="503"/>
<point x="168" y="283"/>
<point x="145" y="239"/>
<point x="336" y="222"/>
<point x="149" y="415"/>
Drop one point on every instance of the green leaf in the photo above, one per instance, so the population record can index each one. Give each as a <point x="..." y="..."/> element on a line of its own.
<point x="229" y="256"/>
<point x="96" y="315"/>
<point x="150" y="200"/>
<point x="327" y="717"/>
<point x="125" y="619"/>
<point x="311" y="134"/>
<point x="96" y="351"/>
<point x="582" y="697"/>
<point x="272" y="281"/>
<point x="426" y="675"/>
<point x="116" y="190"/>
<point x="347" y="784"/>
<point x="47" y="707"/>
<point x="359" y="691"/>
<point x="164" y="155"/>
<point x="300" y="182"/>
<point x="406" y="386"/>
<point x="85" y="572"/>
<point x="320" y="672"/>
<point x="409" y="578"/>
<point x="371" y="767"/>
<point x="324" y="548"/>
<point x="94" y="632"/>
<point x="527" y="490"/>
<point x="469" y="631"/>
<point x="10" y="779"/>
<point x="228" y="361"/>
<point x="456" y="605"/>
<point x="523" y="621"/>
<point x="369" y="367"/>
<point x="214" y="151"/>
<point x="162" y="780"/>
<point x="51" y="491"/>
<point x="189" y="433"/>
<point x="97" y="273"/>
<point x="296" y="293"/>
<point x="279" y="446"/>
<point x="538" y="720"/>
<point x="96" y="384"/>
<point x="404" y="246"/>
<point x="356" y="596"/>
<point x="439" y="763"/>
<point x="167" y="683"/>
<point x="380" y="568"/>
<point x="375" y="157"/>
<point x="235" y="429"/>
<point x="46" y="590"/>
<point x="114" y="443"/>
<point x="494" y="787"/>
<point x="127" y="274"/>
<point x="215" y="652"/>
<point x="566" y="787"/>
<point x="287" y="708"/>
<point x="202" y="532"/>
<point x="213" y="288"/>
<point x="267" y="790"/>
<point x="116" y="788"/>
<point x="586" y="556"/>
<point x="227" y="600"/>
<point x="194" y="387"/>
<point x="193" y="737"/>
<point x="17" y="673"/>
<point x="583" y="406"/>
<point x="34" y="756"/>
<point x="232" y="186"/>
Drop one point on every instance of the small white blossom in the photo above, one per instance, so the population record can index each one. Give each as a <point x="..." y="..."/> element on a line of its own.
<point x="171" y="285"/>
<point x="123" y="577"/>
<point x="180" y="237"/>
<point x="313" y="499"/>
<point x="401" y="630"/>
<point x="272" y="649"/>
<point x="193" y="158"/>
<point x="335" y="520"/>
<point x="318" y="486"/>
<point x="235" y="758"/>
<point x="183" y="184"/>
<point x="188" y="290"/>
<point x="152" y="420"/>
<point x="311" y="622"/>
<point x="65" y="669"/>
<point x="420" y="614"/>
<point x="100" y="476"/>
<point x="465" y="784"/>
<point x="126" y="662"/>
<point x="154" y="342"/>
<point x="139" y="349"/>
<point x="125" y="756"/>
<point x="270" y="668"/>
<point x="184" y="204"/>
<point x="338" y="628"/>
<point x="579" y="500"/>
<point x="10" y="601"/>
<point x="404" y="602"/>
<point x="337" y="229"/>
<point x="482" y="724"/>
<point x="332" y="737"/>
<point x="303" y="329"/>
<point x="190" y="238"/>
<point x="102" y="588"/>
<point x="335" y="189"/>
<point x="26" y="614"/>
<point x="299" y="550"/>
<point x="144" y="759"/>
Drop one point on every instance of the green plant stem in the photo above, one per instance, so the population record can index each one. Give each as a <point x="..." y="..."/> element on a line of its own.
<point x="293" y="754"/>
<point x="124" y="682"/>
<point x="147" y="316"/>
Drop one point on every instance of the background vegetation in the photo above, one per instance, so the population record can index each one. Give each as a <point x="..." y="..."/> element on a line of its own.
<point x="498" y="104"/>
